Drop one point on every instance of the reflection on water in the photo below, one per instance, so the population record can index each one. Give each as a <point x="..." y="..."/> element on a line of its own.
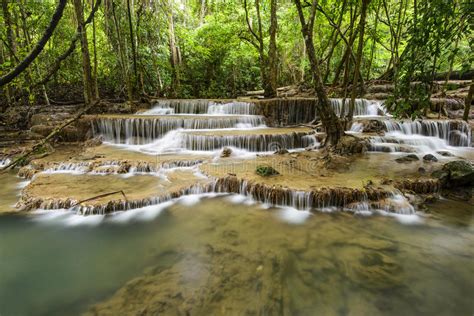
<point x="222" y="255"/>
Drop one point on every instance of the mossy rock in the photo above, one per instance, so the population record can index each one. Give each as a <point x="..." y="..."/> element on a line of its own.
<point x="455" y="174"/>
<point x="266" y="171"/>
<point x="407" y="158"/>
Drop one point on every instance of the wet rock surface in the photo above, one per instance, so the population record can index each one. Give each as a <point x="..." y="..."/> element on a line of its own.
<point x="430" y="158"/>
<point x="456" y="174"/>
<point x="407" y="158"/>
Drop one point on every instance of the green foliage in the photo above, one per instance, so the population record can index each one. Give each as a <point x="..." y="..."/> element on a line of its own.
<point x="266" y="171"/>
<point x="432" y="31"/>
<point x="216" y="57"/>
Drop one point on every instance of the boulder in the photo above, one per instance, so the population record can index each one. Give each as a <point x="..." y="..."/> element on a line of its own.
<point x="430" y="157"/>
<point x="266" y="171"/>
<point x="445" y="153"/>
<point x="226" y="152"/>
<point x="350" y="144"/>
<point x="94" y="142"/>
<point x="407" y="158"/>
<point x="281" y="151"/>
<point x="456" y="174"/>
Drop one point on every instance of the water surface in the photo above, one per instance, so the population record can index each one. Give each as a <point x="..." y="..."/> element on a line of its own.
<point x="217" y="256"/>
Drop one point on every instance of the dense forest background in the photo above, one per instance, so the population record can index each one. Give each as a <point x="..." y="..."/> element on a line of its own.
<point x="222" y="48"/>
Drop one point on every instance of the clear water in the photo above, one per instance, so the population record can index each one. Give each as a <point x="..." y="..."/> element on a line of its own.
<point x="223" y="256"/>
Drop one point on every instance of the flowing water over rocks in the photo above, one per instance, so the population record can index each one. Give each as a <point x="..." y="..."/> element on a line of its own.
<point x="191" y="136"/>
<point x="224" y="255"/>
<point x="169" y="216"/>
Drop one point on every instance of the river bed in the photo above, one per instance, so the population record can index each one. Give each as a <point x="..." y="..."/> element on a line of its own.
<point x="228" y="255"/>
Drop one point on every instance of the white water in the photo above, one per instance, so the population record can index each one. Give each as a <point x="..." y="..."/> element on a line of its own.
<point x="288" y="214"/>
<point x="426" y="136"/>
<point x="362" y="107"/>
<point x="200" y="107"/>
<point x="4" y="162"/>
<point x="171" y="135"/>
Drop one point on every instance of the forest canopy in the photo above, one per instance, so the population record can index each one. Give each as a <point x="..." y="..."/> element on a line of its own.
<point x="220" y="49"/>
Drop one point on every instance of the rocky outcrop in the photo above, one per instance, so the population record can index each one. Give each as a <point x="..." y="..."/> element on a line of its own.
<point x="102" y="167"/>
<point x="454" y="174"/>
<point x="418" y="186"/>
<point x="430" y="158"/>
<point x="287" y="111"/>
<point x="350" y="144"/>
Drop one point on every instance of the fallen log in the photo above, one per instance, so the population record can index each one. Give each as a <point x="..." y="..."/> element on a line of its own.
<point x="50" y="136"/>
<point x="100" y="196"/>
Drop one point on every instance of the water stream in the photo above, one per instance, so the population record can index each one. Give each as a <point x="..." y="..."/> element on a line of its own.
<point x="205" y="254"/>
<point x="210" y="252"/>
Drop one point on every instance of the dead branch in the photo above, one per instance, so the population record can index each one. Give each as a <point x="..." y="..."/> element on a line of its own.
<point x="101" y="196"/>
<point x="51" y="135"/>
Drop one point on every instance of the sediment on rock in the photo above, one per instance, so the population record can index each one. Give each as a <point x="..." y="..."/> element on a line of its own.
<point x="102" y="167"/>
<point x="277" y="195"/>
<point x="419" y="186"/>
<point x="340" y="197"/>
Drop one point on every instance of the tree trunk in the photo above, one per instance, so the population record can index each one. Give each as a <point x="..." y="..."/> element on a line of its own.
<point x="372" y="49"/>
<point x="39" y="46"/>
<point x="334" y="41"/>
<point x="174" y="54"/>
<point x="86" y="61"/>
<point x="272" y="52"/>
<point x="28" y="44"/>
<point x="10" y="39"/>
<point x="72" y="46"/>
<point x="348" y="50"/>
<point x="94" y="44"/>
<point x="132" y="41"/>
<point x="355" y="83"/>
<point x="123" y="59"/>
<point x="329" y="119"/>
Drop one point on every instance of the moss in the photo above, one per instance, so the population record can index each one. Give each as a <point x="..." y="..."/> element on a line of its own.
<point x="266" y="171"/>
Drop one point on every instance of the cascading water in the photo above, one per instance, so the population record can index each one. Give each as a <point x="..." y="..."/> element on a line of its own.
<point x="253" y="143"/>
<point x="177" y="129"/>
<point x="422" y="135"/>
<point x="200" y="107"/>
<point x="231" y="108"/>
<point x="362" y="107"/>
<point x="143" y="130"/>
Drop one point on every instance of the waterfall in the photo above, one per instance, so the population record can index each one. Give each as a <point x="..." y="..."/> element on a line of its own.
<point x="356" y="127"/>
<point x="253" y="143"/>
<point x="200" y="107"/>
<point x="143" y="130"/>
<point x="422" y="136"/>
<point x="240" y="108"/>
<point x="362" y="107"/>
<point x="69" y="167"/>
<point x="455" y="133"/>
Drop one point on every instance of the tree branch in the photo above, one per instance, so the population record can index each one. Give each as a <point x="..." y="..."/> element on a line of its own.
<point x="72" y="46"/>
<point x="39" y="46"/>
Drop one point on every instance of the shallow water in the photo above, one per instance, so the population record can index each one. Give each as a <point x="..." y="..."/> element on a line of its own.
<point x="225" y="255"/>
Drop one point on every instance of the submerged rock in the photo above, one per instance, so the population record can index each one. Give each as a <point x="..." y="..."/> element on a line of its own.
<point x="266" y="171"/>
<point x="456" y="174"/>
<point x="430" y="157"/>
<point x="445" y="153"/>
<point x="281" y="151"/>
<point x="226" y="152"/>
<point x="407" y="158"/>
